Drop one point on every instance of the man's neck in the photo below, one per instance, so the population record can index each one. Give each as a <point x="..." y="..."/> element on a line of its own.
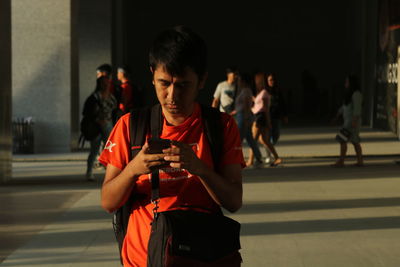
<point x="177" y="119"/>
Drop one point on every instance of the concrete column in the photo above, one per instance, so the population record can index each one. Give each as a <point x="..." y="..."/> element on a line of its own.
<point x="5" y="91"/>
<point x="41" y="36"/>
<point x="398" y="92"/>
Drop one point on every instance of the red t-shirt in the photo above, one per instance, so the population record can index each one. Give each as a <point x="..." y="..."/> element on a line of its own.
<point x="177" y="186"/>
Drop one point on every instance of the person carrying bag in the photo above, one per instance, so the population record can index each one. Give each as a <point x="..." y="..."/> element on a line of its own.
<point x="176" y="221"/>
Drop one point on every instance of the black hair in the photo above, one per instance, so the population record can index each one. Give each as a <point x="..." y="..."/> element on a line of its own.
<point x="105" y="68"/>
<point x="231" y="69"/>
<point x="178" y="48"/>
<point x="354" y="85"/>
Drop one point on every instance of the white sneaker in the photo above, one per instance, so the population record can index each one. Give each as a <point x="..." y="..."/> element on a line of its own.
<point x="268" y="160"/>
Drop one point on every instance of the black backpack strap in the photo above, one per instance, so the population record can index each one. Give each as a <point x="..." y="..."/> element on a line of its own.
<point x="138" y="128"/>
<point x="156" y="124"/>
<point x="156" y="121"/>
<point x="214" y="132"/>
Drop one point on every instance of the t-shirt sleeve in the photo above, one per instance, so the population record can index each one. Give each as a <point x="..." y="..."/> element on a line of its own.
<point x="232" y="150"/>
<point x="117" y="149"/>
<point x="217" y="93"/>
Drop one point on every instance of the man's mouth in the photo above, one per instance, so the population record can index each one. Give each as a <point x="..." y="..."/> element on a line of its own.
<point x="172" y="106"/>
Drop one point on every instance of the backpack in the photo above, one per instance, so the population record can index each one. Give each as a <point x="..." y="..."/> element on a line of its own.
<point x="88" y="126"/>
<point x="150" y="119"/>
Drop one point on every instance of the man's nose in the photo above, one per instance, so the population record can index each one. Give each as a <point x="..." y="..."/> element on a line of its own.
<point x="172" y="92"/>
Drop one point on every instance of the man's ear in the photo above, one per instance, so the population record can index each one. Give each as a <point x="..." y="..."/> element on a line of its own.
<point x="152" y="75"/>
<point x="202" y="81"/>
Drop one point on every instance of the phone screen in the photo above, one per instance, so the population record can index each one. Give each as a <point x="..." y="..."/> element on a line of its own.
<point x="156" y="145"/>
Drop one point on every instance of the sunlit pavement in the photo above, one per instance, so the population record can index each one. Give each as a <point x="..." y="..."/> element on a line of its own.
<point x="304" y="213"/>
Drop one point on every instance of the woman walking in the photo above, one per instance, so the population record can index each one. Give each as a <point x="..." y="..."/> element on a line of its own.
<point x="351" y="112"/>
<point x="262" y="126"/>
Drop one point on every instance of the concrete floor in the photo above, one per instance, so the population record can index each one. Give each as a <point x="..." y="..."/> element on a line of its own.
<point x="302" y="214"/>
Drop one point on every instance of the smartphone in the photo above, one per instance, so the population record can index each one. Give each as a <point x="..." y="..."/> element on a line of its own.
<point x="156" y="145"/>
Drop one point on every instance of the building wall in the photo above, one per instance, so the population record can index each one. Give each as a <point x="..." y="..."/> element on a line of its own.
<point x="41" y="70"/>
<point x="5" y="91"/>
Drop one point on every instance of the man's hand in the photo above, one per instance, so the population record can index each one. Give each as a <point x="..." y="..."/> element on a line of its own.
<point x="145" y="163"/>
<point x="182" y="156"/>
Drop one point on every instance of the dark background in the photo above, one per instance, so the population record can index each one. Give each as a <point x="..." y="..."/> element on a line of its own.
<point x="285" y="37"/>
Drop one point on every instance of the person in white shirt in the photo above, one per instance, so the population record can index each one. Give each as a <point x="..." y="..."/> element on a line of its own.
<point x="351" y="112"/>
<point x="225" y="93"/>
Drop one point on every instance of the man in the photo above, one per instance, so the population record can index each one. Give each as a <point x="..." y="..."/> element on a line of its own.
<point x="178" y="66"/>
<point x="224" y="96"/>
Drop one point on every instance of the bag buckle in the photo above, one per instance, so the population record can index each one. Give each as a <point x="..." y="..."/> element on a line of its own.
<point x="155" y="209"/>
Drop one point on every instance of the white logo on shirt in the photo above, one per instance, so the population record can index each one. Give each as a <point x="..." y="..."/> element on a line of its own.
<point x="109" y="145"/>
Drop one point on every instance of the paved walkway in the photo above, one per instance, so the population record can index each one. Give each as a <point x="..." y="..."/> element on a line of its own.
<point x="302" y="214"/>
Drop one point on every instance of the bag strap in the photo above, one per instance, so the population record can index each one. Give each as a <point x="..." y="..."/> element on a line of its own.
<point x="138" y="128"/>
<point x="213" y="130"/>
<point x="155" y="129"/>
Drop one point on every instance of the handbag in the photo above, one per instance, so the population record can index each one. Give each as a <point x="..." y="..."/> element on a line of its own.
<point x="343" y="136"/>
<point x="191" y="238"/>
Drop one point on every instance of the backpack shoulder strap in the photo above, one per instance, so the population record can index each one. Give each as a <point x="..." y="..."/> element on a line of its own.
<point x="138" y="128"/>
<point x="214" y="132"/>
<point x="156" y="124"/>
<point x="156" y="121"/>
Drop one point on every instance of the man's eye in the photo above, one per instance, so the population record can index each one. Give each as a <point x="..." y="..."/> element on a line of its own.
<point x="164" y="84"/>
<point x="181" y="85"/>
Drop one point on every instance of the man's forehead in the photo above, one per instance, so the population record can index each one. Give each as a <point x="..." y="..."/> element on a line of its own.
<point x="161" y="71"/>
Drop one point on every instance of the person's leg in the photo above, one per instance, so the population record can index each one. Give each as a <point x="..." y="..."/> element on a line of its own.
<point x="265" y="137"/>
<point x="275" y="131"/>
<point x="241" y="125"/>
<point x="343" y="151"/>
<point x="256" y="134"/>
<point x="253" y="145"/>
<point x="357" y="148"/>
<point x="94" y="149"/>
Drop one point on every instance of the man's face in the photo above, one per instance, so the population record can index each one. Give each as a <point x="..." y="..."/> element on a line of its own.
<point x="177" y="94"/>
<point x="232" y="77"/>
<point x="271" y="81"/>
<point x="120" y="75"/>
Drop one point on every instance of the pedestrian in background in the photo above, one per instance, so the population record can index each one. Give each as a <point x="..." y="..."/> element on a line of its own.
<point x="125" y="93"/>
<point x="225" y="93"/>
<point x="278" y="108"/>
<point x="99" y="107"/>
<point x="244" y="117"/>
<point x="351" y="113"/>
<point x="262" y="126"/>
